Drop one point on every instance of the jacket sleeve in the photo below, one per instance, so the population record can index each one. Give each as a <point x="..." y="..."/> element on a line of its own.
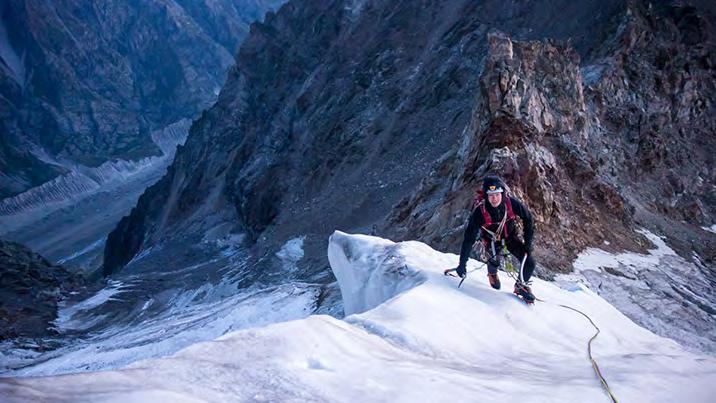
<point x="473" y="228"/>
<point x="524" y="213"/>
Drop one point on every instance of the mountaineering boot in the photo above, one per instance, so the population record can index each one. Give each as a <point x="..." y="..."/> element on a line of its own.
<point x="524" y="291"/>
<point x="494" y="280"/>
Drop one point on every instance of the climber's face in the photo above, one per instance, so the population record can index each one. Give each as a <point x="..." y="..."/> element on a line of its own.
<point x="495" y="199"/>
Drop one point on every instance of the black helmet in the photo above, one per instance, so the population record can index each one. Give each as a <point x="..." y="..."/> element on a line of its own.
<point x="492" y="184"/>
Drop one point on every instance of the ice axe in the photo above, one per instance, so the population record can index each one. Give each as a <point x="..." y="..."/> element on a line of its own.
<point x="450" y="272"/>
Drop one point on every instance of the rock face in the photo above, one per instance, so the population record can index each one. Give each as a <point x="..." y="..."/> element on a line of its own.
<point x="333" y="113"/>
<point x="86" y="83"/>
<point x="336" y="110"/>
<point x="30" y="289"/>
<point x="529" y="121"/>
<point x="595" y="149"/>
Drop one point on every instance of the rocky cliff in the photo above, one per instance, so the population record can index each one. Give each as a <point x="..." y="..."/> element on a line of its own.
<point x="85" y="83"/>
<point x="596" y="149"/>
<point x="335" y="113"/>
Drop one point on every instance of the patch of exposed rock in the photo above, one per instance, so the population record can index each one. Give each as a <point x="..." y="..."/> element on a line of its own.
<point x="30" y="289"/>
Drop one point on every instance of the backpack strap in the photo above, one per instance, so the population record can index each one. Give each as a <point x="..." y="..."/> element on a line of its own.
<point x="508" y="208"/>
<point x="485" y="214"/>
<point x="479" y="198"/>
<point x="508" y="212"/>
<point x="502" y="228"/>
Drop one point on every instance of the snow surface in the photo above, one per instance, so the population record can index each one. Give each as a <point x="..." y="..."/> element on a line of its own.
<point x="597" y="259"/>
<point x="660" y="290"/>
<point x="193" y="316"/>
<point x="423" y="340"/>
<point x="291" y="253"/>
<point x="99" y="243"/>
<point x="710" y="229"/>
<point x="66" y="315"/>
<point x="150" y="312"/>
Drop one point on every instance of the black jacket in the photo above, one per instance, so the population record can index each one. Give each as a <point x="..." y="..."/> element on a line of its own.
<point x="496" y="214"/>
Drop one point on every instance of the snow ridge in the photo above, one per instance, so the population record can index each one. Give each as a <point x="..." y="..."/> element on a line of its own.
<point x="426" y="341"/>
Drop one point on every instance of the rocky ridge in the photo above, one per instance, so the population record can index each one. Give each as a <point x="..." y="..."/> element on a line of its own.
<point x="596" y="150"/>
<point x="334" y="111"/>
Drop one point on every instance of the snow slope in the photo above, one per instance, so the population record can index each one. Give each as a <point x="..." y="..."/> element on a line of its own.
<point x="143" y="314"/>
<point x="413" y="336"/>
<point x="661" y="291"/>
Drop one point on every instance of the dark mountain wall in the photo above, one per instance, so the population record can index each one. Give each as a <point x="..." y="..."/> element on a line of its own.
<point x="335" y="111"/>
<point x="88" y="81"/>
<point x="30" y="289"/>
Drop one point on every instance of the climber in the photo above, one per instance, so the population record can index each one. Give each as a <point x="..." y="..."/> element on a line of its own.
<point x="494" y="219"/>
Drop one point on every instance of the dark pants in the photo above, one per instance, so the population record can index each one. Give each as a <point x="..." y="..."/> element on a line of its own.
<point x="517" y="249"/>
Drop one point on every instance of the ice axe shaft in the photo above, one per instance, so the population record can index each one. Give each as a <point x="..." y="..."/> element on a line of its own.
<point x="450" y="272"/>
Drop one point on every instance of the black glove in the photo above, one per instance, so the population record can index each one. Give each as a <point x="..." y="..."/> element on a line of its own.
<point x="460" y="270"/>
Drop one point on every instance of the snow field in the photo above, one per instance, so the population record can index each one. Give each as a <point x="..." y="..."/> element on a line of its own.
<point x="412" y="336"/>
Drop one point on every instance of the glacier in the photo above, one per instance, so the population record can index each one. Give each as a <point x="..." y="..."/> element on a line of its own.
<point x="81" y="181"/>
<point x="67" y="219"/>
<point x="410" y="335"/>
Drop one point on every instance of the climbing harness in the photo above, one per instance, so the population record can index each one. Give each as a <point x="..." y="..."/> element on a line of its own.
<point x="506" y="262"/>
<point x="501" y="231"/>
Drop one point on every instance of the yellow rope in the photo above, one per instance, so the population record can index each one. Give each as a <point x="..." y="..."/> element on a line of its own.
<point x="589" y="344"/>
<point x="589" y="350"/>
